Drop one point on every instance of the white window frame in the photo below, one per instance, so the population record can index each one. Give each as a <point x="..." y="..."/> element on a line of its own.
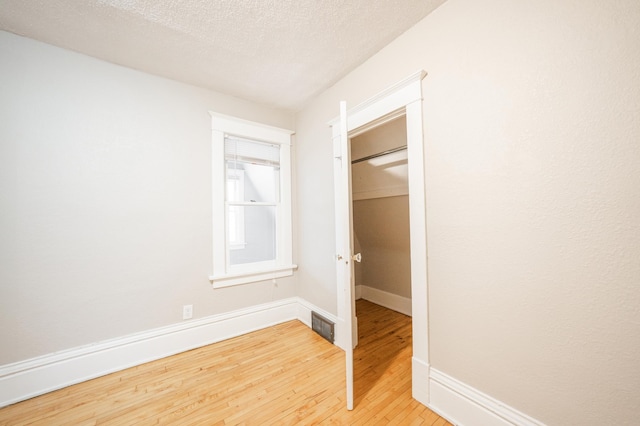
<point x="225" y="275"/>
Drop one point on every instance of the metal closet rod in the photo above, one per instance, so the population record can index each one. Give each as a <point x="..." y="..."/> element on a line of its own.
<point x="380" y="154"/>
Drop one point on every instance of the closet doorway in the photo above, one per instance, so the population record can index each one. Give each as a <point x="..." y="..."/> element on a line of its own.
<point x="381" y="233"/>
<point x="403" y="99"/>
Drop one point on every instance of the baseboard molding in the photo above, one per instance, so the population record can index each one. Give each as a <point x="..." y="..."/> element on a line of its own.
<point x="420" y="372"/>
<point x="304" y="315"/>
<point x="304" y="312"/>
<point x="386" y="299"/>
<point x="36" y="376"/>
<point x="463" y="405"/>
<point x="459" y="403"/>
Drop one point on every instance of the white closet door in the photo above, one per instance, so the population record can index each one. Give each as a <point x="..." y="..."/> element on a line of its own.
<point x="344" y="246"/>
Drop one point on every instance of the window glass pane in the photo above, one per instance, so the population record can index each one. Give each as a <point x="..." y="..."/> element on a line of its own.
<point x="252" y="183"/>
<point x="259" y="243"/>
<point x="254" y="168"/>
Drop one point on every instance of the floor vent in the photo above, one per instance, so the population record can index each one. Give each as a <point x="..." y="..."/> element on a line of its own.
<point x="322" y="326"/>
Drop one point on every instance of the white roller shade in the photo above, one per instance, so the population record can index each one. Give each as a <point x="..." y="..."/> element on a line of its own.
<point x="248" y="151"/>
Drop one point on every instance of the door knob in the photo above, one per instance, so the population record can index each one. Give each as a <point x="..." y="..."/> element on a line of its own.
<point x="357" y="257"/>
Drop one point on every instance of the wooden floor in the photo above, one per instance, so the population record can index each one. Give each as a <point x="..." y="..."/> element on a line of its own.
<point x="285" y="374"/>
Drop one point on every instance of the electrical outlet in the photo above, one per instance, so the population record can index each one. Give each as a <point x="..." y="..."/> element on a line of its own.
<point x="187" y="312"/>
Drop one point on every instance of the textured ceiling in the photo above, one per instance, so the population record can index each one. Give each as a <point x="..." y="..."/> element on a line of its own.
<point x="277" y="52"/>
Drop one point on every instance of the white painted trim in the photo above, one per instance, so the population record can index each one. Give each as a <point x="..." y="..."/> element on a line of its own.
<point x="418" y="234"/>
<point x="304" y="312"/>
<point x="250" y="277"/>
<point x="304" y="315"/>
<point x="420" y="380"/>
<point x="36" y="376"/>
<point x="465" y="406"/>
<point x="388" y="300"/>
<point x="375" y="110"/>
<point x="239" y="127"/>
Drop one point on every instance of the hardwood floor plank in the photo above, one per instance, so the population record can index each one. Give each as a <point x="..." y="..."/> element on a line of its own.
<point x="285" y="374"/>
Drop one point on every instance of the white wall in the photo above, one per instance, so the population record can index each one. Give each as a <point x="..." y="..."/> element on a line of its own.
<point x="531" y="129"/>
<point x="105" y="192"/>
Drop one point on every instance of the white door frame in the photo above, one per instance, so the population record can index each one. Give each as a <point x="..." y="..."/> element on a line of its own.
<point x="403" y="98"/>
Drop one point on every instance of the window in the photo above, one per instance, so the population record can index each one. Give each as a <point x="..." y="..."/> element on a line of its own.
<point x="251" y="202"/>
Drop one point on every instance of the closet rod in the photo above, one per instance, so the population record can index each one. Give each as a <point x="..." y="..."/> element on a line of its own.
<point x="380" y="154"/>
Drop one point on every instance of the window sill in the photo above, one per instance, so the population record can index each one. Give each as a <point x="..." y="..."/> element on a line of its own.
<point x="228" y="280"/>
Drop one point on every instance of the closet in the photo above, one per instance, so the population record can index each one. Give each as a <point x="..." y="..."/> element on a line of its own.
<point x="381" y="216"/>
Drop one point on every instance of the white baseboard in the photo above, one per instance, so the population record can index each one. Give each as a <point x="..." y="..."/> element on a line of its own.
<point x="420" y="371"/>
<point x="386" y="299"/>
<point x="463" y="405"/>
<point x="304" y="315"/>
<point x="36" y="376"/>
<point x="452" y="399"/>
<point x="304" y="312"/>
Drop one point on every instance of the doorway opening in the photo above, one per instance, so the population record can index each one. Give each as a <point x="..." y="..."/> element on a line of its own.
<point x="401" y="99"/>
<point x="381" y="226"/>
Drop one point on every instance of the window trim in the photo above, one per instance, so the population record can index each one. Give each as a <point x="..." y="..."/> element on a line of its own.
<point x="223" y="275"/>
